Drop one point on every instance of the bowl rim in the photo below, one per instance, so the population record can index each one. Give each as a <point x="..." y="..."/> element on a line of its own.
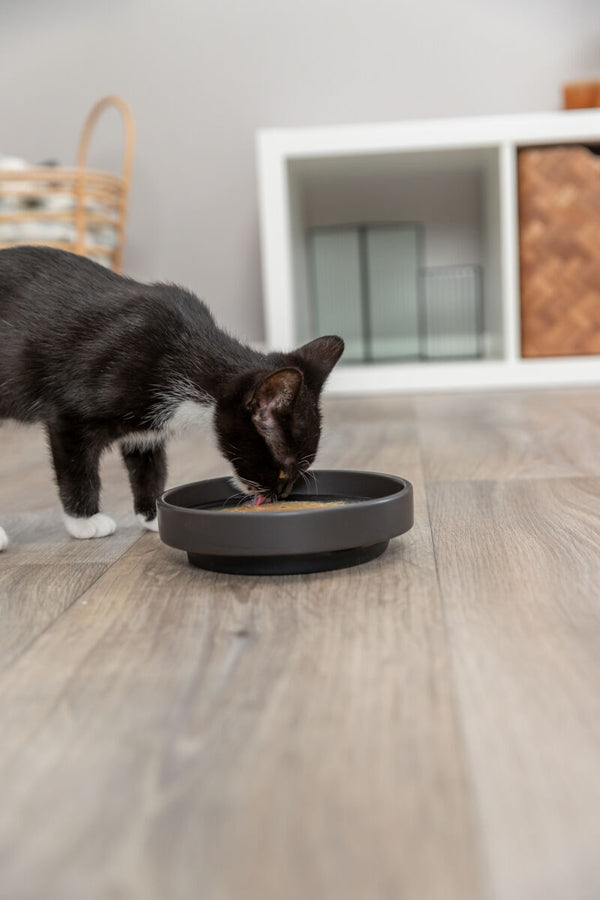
<point x="403" y="486"/>
<point x="289" y="532"/>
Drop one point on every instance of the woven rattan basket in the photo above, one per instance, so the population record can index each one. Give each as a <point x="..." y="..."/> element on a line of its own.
<point x="77" y="209"/>
<point x="559" y="231"/>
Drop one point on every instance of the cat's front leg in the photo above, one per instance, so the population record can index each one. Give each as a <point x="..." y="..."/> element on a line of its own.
<point x="76" y="458"/>
<point x="147" y="468"/>
<point x="3" y="539"/>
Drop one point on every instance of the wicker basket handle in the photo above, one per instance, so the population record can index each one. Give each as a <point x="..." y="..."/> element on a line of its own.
<point x="129" y="130"/>
<point x="126" y="169"/>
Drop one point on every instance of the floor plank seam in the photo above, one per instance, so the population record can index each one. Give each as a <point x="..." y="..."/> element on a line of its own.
<point x="473" y="812"/>
<point x="63" y="612"/>
<point x="511" y="479"/>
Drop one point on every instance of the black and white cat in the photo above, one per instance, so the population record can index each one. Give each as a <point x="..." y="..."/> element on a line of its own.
<point x="99" y="358"/>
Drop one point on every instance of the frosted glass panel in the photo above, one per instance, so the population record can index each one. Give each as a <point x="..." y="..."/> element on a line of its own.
<point x="393" y="263"/>
<point x="453" y="312"/>
<point x="369" y="286"/>
<point x="337" y="288"/>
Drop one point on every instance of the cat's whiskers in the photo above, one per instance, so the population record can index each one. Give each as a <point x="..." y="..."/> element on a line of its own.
<point x="304" y="478"/>
<point x="309" y="480"/>
<point x="308" y="477"/>
<point x="239" y="498"/>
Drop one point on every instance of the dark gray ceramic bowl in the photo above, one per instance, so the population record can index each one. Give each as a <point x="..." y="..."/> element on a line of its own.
<point x="197" y="518"/>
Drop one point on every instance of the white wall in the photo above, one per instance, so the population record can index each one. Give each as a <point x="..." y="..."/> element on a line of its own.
<point x="203" y="75"/>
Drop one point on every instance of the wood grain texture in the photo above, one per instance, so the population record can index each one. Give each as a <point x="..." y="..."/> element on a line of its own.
<point x="422" y="726"/>
<point x="520" y="574"/>
<point x="46" y="570"/>
<point x="236" y="731"/>
<point x="204" y="735"/>
<point x="506" y="435"/>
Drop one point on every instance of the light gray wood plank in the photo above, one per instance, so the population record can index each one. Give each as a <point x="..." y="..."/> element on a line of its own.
<point x="172" y="732"/>
<point x="518" y="434"/>
<point x="177" y="733"/>
<point x="520" y="572"/>
<point x="44" y="569"/>
<point x="220" y="737"/>
<point x="22" y="446"/>
<point x="32" y="596"/>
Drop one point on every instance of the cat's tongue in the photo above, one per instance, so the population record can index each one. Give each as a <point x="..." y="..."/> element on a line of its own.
<point x="258" y="499"/>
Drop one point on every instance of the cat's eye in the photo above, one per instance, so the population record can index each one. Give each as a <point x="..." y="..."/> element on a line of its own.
<point x="282" y="475"/>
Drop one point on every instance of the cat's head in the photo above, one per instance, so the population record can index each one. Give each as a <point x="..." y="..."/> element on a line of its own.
<point x="268" y="421"/>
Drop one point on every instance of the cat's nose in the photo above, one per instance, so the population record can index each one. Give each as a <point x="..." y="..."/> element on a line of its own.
<point x="284" y="485"/>
<point x="288" y="488"/>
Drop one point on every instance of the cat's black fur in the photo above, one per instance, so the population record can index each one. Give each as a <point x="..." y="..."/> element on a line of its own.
<point x="99" y="358"/>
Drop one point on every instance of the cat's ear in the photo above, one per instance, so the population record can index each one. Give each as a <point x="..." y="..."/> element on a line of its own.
<point x="274" y="395"/>
<point x="322" y="354"/>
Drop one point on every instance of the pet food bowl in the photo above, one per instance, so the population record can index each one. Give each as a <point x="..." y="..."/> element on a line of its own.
<point x="200" y="519"/>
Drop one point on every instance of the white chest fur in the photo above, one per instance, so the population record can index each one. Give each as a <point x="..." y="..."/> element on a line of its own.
<point x="191" y="414"/>
<point x="184" y="416"/>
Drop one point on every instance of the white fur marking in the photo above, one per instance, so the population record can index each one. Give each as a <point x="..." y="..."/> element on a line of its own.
<point x="182" y="416"/>
<point x="98" y="525"/>
<point x="150" y="524"/>
<point x="3" y="539"/>
<point x="142" y="440"/>
<point x="190" y="414"/>
<point x="239" y="484"/>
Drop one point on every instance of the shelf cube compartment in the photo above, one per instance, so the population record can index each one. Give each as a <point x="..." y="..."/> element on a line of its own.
<point x="460" y="179"/>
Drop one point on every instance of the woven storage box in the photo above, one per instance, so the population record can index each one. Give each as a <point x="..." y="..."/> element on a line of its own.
<point x="559" y="236"/>
<point x="77" y="209"/>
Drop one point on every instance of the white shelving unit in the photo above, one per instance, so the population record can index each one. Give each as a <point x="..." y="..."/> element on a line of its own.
<point x="458" y="177"/>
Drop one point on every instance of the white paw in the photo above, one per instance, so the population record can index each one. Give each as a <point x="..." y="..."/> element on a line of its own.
<point x="3" y="539"/>
<point x="98" y="525"/>
<point x="150" y="524"/>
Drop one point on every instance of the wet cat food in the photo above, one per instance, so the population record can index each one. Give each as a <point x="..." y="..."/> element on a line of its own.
<point x="287" y="506"/>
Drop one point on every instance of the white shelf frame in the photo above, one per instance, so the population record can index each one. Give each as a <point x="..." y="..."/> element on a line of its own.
<point x="278" y="148"/>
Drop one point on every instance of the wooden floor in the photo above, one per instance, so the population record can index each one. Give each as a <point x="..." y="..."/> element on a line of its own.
<point x="424" y="726"/>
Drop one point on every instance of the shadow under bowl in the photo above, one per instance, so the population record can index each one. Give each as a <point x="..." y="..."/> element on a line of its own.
<point x="198" y="519"/>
